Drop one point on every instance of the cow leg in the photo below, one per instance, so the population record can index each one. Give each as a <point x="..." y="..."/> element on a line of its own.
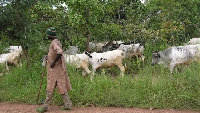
<point x="118" y="63"/>
<point x="84" y="73"/>
<point x="122" y="69"/>
<point x="84" y="67"/>
<point x="86" y="70"/>
<point x="16" y="63"/>
<point x="93" y="72"/>
<point x="6" y="63"/>
<point x="172" y="66"/>
<point x="20" y="61"/>
<point x="137" y="59"/>
<point x="142" y="57"/>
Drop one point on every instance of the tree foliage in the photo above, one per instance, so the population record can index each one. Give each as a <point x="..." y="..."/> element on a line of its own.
<point x="23" y="22"/>
<point x="177" y="21"/>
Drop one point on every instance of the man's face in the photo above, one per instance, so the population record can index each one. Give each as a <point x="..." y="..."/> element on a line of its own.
<point x="49" y="38"/>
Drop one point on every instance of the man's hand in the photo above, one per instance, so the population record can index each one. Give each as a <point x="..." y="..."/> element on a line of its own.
<point x="52" y="65"/>
<point x="57" y="58"/>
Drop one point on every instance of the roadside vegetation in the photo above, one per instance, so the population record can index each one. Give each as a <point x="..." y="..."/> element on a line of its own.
<point x="157" y="24"/>
<point x="144" y="87"/>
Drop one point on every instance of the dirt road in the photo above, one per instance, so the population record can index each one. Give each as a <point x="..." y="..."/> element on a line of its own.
<point x="24" y="108"/>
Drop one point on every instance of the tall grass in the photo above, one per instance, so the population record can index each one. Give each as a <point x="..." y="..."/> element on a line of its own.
<point x="151" y="87"/>
<point x="142" y="86"/>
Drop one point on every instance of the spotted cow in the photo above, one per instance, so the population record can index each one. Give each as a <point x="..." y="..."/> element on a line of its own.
<point x="133" y="50"/>
<point x="174" y="56"/>
<point x="106" y="60"/>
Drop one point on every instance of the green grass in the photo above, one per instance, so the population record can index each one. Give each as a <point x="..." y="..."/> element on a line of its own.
<point x="146" y="87"/>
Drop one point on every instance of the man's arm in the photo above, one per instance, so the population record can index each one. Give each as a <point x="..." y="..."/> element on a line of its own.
<point x="57" y="58"/>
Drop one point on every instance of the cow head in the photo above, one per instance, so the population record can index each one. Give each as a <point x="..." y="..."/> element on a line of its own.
<point x="155" y="58"/>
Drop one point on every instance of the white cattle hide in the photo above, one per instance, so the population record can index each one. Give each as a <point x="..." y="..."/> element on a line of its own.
<point x="3" y="60"/>
<point x="132" y="50"/>
<point x="11" y="58"/>
<point x="14" y="48"/>
<point x="106" y="60"/>
<point x="194" y="41"/>
<point x="15" y="58"/>
<point x="72" y="50"/>
<point x="79" y="61"/>
<point x="174" y="56"/>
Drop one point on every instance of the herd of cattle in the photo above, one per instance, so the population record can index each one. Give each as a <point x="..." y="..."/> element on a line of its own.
<point x="112" y="54"/>
<point x="101" y="56"/>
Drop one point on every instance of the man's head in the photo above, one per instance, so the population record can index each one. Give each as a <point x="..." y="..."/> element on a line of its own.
<point x="51" y="33"/>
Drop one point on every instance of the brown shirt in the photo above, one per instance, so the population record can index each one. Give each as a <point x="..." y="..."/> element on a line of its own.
<point x="59" y="72"/>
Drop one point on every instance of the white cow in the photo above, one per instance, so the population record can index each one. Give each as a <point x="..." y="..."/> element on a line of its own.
<point x="92" y="46"/>
<point x="132" y="50"/>
<point x="79" y="61"/>
<point x="3" y="60"/>
<point x="174" y="56"/>
<point x="99" y="47"/>
<point x="194" y="51"/>
<point x="106" y="60"/>
<point x="111" y="45"/>
<point x="14" y="48"/>
<point x="72" y="50"/>
<point x="117" y="42"/>
<point x="95" y="47"/>
<point x="11" y="58"/>
<point x="194" y="41"/>
<point x="14" y="58"/>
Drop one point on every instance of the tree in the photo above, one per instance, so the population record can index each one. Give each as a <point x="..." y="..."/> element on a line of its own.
<point x="84" y="16"/>
<point x="176" y="21"/>
<point x="15" y="21"/>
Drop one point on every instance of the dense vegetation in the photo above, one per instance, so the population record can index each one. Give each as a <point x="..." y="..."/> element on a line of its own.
<point x="158" y="24"/>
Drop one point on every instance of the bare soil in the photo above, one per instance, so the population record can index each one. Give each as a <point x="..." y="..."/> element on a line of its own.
<point x="25" y="108"/>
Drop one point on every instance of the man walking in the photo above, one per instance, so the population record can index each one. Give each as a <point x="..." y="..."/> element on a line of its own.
<point x="56" y="73"/>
